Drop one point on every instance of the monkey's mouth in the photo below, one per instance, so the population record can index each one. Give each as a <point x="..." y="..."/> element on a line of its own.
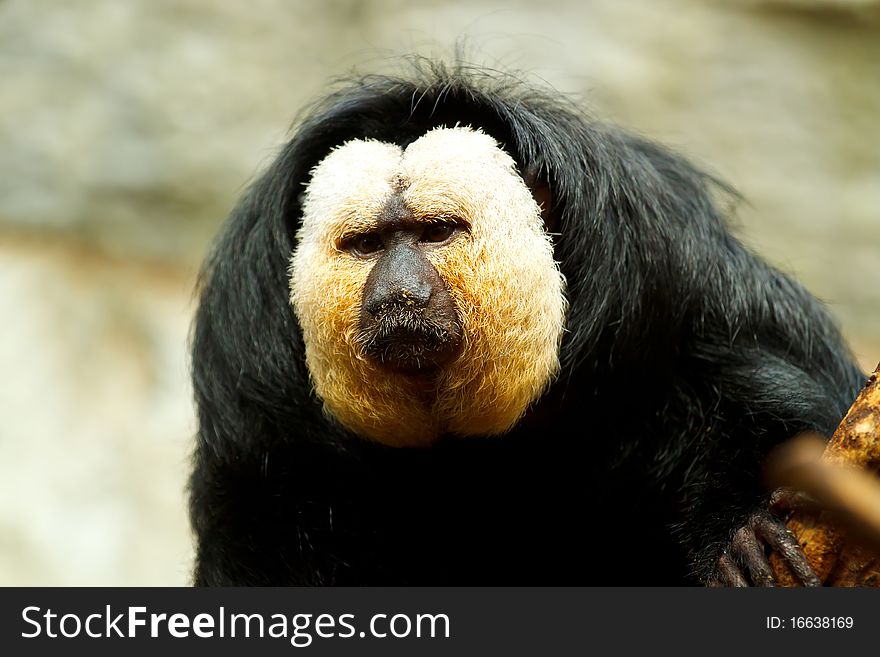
<point x="410" y="344"/>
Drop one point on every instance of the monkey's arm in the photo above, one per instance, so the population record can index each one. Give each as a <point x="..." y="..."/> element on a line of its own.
<point x="295" y="515"/>
<point x="763" y="395"/>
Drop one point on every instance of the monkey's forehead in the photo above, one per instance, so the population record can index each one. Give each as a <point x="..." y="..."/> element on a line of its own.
<point x="443" y="172"/>
<point x="436" y="145"/>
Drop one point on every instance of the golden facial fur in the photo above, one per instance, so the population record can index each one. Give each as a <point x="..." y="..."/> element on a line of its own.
<point x="500" y="273"/>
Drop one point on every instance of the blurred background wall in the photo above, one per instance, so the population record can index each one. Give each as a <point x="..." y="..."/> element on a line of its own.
<point x="127" y="129"/>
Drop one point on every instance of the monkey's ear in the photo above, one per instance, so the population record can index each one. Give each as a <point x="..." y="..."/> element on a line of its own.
<point x="543" y="196"/>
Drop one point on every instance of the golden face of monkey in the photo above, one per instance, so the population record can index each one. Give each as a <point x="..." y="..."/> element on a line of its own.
<point x="426" y="289"/>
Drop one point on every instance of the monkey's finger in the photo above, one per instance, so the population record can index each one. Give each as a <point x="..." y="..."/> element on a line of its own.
<point x="787" y="500"/>
<point x="778" y="537"/>
<point x="746" y="546"/>
<point x="730" y="573"/>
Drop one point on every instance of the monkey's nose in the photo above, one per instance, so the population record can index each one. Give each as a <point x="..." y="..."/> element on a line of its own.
<point x="413" y="296"/>
<point x="401" y="280"/>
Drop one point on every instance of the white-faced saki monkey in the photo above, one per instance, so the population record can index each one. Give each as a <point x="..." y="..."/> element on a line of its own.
<point x="460" y="333"/>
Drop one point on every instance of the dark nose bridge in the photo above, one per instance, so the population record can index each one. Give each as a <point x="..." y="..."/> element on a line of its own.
<point x="401" y="277"/>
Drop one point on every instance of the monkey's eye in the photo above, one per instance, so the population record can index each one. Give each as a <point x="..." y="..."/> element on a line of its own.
<point x="366" y="244"/>
<point x="438" y="233"/>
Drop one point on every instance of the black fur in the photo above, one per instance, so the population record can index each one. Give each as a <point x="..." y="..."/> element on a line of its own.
<point x="685" y="358"/>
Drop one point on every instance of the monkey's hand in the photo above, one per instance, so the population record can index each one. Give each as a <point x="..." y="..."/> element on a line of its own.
<point x="744" y="562"/>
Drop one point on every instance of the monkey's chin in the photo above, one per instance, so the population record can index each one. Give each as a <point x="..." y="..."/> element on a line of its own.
<point x="414" y="352"/>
